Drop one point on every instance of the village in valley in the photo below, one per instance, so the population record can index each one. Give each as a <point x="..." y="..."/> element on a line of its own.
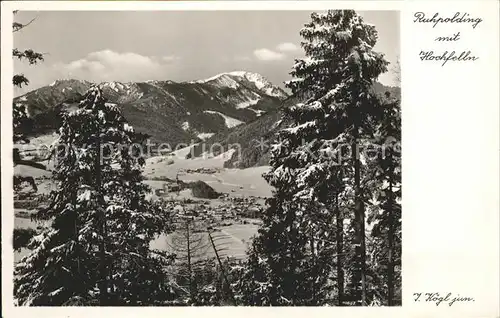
<point x="232" y="215"/>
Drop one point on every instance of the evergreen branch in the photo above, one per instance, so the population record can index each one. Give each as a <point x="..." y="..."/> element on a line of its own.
<point x="16" y="26"/>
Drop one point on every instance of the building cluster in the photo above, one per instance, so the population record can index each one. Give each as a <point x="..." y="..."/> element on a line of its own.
<point x="225" y="212"/>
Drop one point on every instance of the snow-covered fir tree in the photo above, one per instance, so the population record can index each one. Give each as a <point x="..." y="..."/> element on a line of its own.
<point x="315" y="160"/>
<point x="384" y="217"/>
<point x="281" y="269"/>
<point x="96" y="250"/>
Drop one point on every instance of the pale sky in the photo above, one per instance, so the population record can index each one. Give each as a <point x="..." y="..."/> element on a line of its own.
<point x="174" y="45"/>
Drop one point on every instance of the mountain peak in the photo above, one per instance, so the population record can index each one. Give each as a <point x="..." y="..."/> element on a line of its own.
<point x="243" y="74"/>
<point x="68" y="82"/>
<point x="233" y="73"/>
<point x="234" y="78"/>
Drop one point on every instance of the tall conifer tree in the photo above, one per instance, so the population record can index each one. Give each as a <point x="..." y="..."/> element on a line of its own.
<point x="294" y="253"/>
<point x="96" y="250"/>
<point x="384" y="179"/>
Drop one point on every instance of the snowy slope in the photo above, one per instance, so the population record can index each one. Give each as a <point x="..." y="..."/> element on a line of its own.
<point x="230" y="122"/>
<point x="236" y="78"/>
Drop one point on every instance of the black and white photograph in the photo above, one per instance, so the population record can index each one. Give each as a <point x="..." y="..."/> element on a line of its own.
<point x="207" y="158"/>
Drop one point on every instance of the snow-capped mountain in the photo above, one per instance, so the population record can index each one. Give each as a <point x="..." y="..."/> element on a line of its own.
<point x="237" y="78"/>
<point x="168" y="111"/>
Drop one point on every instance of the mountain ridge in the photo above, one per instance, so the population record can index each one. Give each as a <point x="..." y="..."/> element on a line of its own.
<point x="168" y="111"/>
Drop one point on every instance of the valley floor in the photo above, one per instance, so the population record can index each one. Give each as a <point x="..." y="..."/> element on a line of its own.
<point x="242" y="191"/>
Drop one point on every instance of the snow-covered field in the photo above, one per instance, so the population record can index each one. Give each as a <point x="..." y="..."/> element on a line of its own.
<point x="236" y="182"/>
<point x="38" y="147"/>
<point x="234" y="241"/>
<point x="23" y="170"/>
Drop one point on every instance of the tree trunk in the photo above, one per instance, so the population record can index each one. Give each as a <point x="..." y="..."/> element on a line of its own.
<point x="340" y="247"/>
<point x="390" y="265"/>
<point x="359" y="225"/>
<point x="230" y="290"/>
<point x="313" y="257"/>
<point x="75" y="224"/>
<point x="190" y="274"/>
<point x="103" y="275"/>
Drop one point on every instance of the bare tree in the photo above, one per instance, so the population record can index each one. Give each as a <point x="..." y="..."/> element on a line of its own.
<point x="20" y="120"/>
<point x="27" y="54"/>
<point x="190" y="247"/>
